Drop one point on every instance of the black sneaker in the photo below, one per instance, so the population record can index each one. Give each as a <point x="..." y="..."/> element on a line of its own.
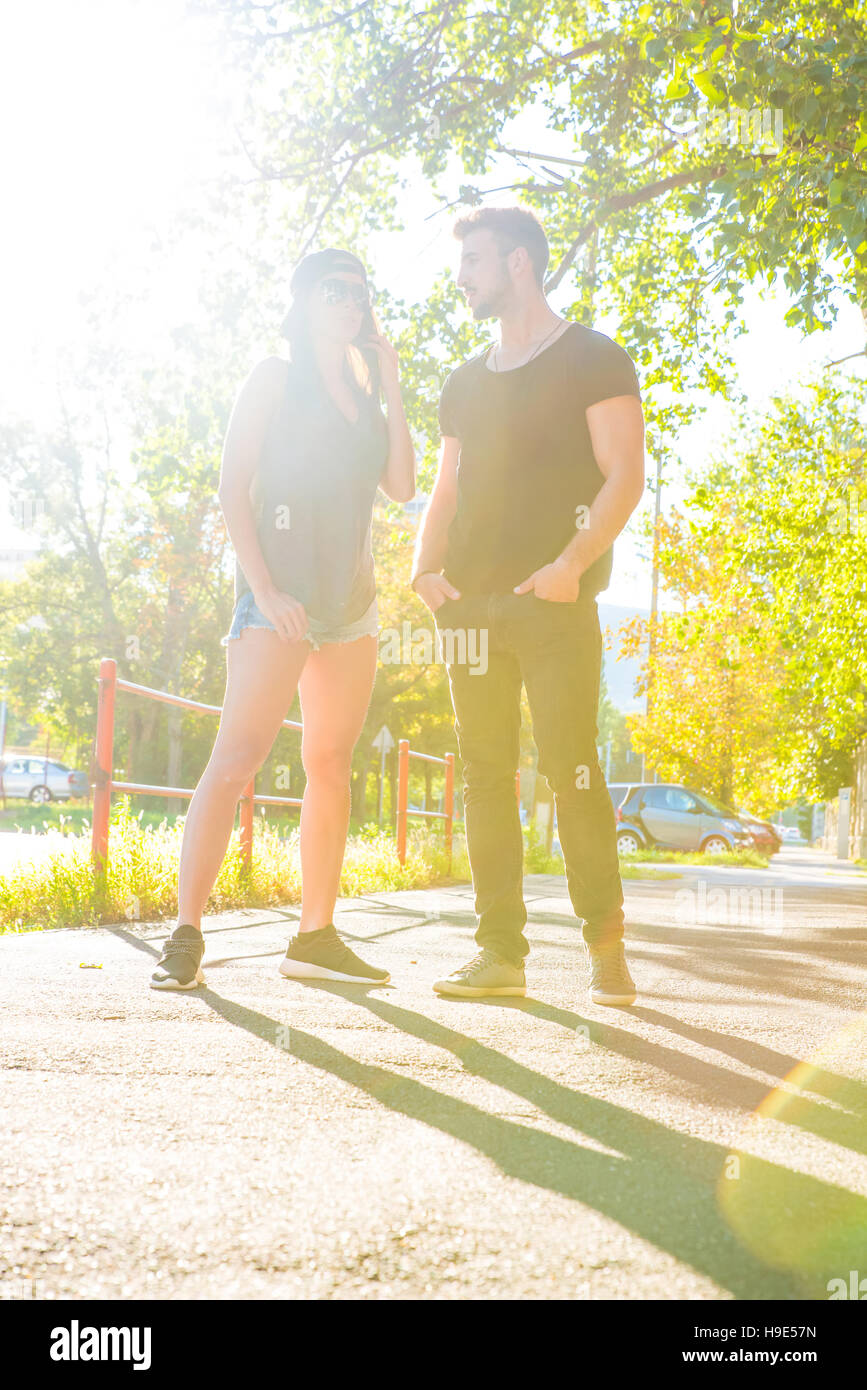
<point x="321" y="955"/>
<point x="179" y="966"/>
<point x="611" y="982"/>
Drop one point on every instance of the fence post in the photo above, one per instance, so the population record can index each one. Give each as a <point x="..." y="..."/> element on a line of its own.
<point x="247" y="808"/>
<point x="103" y="758"/>
<point x="449" y="807"/>
<point x="402" y="794"/>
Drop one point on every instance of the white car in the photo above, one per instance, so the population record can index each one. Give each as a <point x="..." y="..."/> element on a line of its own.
<point x="792" y="834"/>
<point x="42" y="779"/>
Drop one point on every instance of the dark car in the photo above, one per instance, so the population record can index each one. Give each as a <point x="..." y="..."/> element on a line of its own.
<point x="765" y="837"/>
<point x="665" y="815"/>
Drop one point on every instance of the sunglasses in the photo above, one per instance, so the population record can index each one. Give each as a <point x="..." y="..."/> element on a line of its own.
<point x="336" y="291"/>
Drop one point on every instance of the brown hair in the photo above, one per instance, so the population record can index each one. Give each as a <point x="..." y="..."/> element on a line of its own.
<point x="361" y="364"/>
<point x="512" y="227"/>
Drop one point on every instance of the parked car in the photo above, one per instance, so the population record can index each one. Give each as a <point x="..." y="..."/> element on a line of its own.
<point x="42" y="779"/>
<point x="617" y="791"/>
<point x="765" y="837"/>
<point x="792" y="835"/>
<point x="665" y="815"/>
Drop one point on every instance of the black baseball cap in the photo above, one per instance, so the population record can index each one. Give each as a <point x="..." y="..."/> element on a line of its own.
<point x="320" y="263"/>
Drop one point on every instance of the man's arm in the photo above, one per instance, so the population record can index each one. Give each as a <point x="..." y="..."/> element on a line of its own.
<point x="617" y="434"/>
<point x="430" y="551"/>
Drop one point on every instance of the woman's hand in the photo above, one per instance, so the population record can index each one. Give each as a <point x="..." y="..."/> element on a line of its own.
<point x="388" y="359"/>
<point x="284" y="611"/>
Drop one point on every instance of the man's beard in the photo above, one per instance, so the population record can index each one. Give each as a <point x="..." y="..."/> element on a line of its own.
<point x="492" y="306"/>
<point x="488" y="308"/>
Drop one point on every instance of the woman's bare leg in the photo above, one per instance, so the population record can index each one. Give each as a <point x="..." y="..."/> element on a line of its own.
<point x="261" y="680"/>
<point x="335" y="691"/>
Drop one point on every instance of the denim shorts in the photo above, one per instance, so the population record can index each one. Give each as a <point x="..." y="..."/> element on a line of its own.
<point x="248" y="614"/>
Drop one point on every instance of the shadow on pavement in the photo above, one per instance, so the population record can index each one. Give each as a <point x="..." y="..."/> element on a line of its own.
<point x="664" y="1185"/>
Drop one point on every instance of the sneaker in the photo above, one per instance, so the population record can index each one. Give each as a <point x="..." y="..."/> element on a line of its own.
<point x="486" y="973"/>
<point x="321" y="955"/>
<point x="179" y="966"/>
<point x="610" y="982"/>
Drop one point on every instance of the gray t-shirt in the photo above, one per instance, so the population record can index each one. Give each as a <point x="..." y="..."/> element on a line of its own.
<point x="313" y="494"/>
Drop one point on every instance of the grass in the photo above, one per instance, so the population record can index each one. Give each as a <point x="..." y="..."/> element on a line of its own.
<point x="538" y="860"/>
<point x="67" y="816"/>
<point x="741" y="858"/>
<point x="61" y="889"/>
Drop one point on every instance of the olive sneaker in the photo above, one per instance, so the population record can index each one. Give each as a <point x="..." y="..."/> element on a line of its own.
<point x="179" y="966"/>
<point x="486" y="973"/>
<point x="610" y="980"/>
<point x="321" y="955"/>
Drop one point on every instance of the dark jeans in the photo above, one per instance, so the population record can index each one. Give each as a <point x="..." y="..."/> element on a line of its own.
<point x="555" y="650"/>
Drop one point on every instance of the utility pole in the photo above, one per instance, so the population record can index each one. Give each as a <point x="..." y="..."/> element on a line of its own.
<point x="384" y="744"/>
<point x="654" y="597"/>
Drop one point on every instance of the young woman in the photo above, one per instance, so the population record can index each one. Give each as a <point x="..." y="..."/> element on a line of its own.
<point x="306" y="448"/>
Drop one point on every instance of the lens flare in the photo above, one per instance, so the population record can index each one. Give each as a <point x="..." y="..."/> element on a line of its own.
<point x="794" y="1191"/>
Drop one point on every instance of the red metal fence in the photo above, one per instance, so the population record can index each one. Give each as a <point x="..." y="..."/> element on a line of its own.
<point x="448" y="814"/>
<point x="404" y="753"/>
<point x="104" y="781"/>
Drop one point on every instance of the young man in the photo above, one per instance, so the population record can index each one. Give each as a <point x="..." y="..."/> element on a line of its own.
<point x="542" y="464"/>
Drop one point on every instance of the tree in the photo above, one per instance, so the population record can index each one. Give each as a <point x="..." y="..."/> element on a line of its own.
<point x="682" y="190"/>
<point x="786" y="511"/>
<point x="759" y="683"/>
<point x="715" y="673"/>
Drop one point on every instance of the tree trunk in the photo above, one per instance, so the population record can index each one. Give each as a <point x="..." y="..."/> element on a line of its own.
<point x="173" y="771"/>
<point x="134" y="724"/>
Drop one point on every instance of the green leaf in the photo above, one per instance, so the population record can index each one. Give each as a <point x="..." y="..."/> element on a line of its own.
<point x="714" y="93"/>
<point x="678" y="87"/>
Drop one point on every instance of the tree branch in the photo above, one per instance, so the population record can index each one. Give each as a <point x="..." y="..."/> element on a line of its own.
<point x="618" y="201"/>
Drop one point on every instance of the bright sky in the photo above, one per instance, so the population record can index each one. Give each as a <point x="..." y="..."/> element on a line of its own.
<point x="118" y="116"/>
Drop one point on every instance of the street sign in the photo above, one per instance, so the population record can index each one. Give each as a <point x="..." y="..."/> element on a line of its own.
<point x="384" y="741"/>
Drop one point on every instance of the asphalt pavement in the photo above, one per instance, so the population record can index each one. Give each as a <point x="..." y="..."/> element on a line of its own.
<point x="260" y="1138"/>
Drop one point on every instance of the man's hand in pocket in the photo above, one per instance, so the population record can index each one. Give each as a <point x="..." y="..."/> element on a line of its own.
<point x="555" y="582"/>
<point x="434" y="589"/>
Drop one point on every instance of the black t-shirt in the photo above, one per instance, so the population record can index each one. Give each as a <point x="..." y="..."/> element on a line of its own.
<point x="526" y="460"/>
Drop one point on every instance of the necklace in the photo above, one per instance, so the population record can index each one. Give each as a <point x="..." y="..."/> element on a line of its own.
<point x="537" y="349"/>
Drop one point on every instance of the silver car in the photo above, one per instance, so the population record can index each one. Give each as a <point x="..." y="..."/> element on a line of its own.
<point x="42" y="779"/>
<point x="662" y="815"/>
